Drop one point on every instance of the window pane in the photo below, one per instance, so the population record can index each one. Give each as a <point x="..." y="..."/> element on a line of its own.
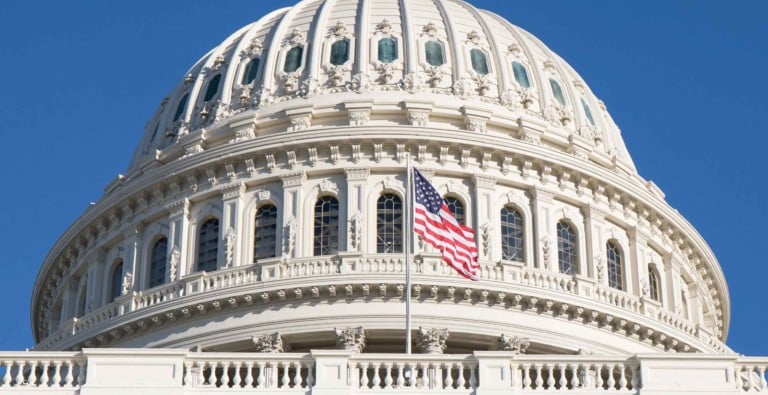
<point x="213" y="88"/>
<point x="265" y="234"/>
<point x="293" y="59"/>
<point x="251" y="71"/>
<point x="588" y="112"/>
<point x="181" y="107"/>
<point x="158" y="262"/>
<point x="389" y="224"/>
<point x="521" y="75"/>
<point x="326" y="226"/>
<point x="456" y="207"/>
<point x="116" y="282"/>
<point x="511" y="235"/>
<point x="208" y="246"/>
<point x="615" y="275"/>
<point x="434" y="51"/>
<point x="339" y="52"/>
<point x="387" y="50"/>
<point x="557" y="91"/>
<point x="479" y="61"/>
<point x="653" y="284"/>
<point x="567" y="249"/>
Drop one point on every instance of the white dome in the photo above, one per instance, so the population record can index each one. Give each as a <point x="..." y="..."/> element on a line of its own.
<point x="569" y="118"/>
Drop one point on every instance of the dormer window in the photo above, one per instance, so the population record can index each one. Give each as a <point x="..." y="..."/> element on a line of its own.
<point x="181" y="107"/>
<point x="340" y="52"/>
<point x="251" y="71"/>
<point x="213" y="88"/>
<point x="587" y="112"/>
<point x="434" y="52"/>
<point x="387" y="50"/>
<point x="521" y="75"/>
<point x="293" y="59"/>
<point x="557" y="91"/>
<point x="479" y="61"/>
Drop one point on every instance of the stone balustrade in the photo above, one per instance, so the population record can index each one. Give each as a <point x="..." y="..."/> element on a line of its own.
<point x="329" y="372"/>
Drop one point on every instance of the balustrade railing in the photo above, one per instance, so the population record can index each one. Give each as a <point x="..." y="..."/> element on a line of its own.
<point x="29" y="371"/>
<point x="413" y="372"/>
<point x="546" y="374"/>
<point x="750" y="374"/>
<point x="272" y="372"/>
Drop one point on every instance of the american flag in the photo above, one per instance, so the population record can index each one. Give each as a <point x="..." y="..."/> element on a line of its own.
<point x="437" y="226"/>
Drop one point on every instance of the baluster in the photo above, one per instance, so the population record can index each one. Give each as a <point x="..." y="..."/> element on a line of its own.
<point x="635" y="376"/>
<point x="575" y="376"/>
<point x="400" y="376"/>
<point x="285" y="380"/>
<point x="236" y="372"/>
<point x="388" y="375"/>
<point x="186" y="378"/>
<point x="460" y="383"/>
<point x="440" y="382"/>
<point x="539" y="380"/>
<point x="57" y="373"/>
<point x="526" y="377"/>
<point x="364" y="375"/>
<point x="310" y="374"/>
<point x="622" y="377"/>
<point x="761" y="372"/>
<point x="248" y="375"/>
<point x="43" y="378"/>
<point x="223" y="374"/>
<point x="19" y="377"/>
<point x="260" y="380"/>
<point x="563" y="382"/>
<point x="69" y="378"/>
<point x="296" y="378"/>
<point x="550" y="369"/>
<point x="472" y="377"/>
<point x="448" y="376"/>
<point x="376" y="379"/>
<point x="611" y="383"/>
<point x="273" y="375"/>
<point x="32" y="375"/>
<point x="7" y="375"/>
<point x="81" y="374"/>
<point x="201" y="373"/>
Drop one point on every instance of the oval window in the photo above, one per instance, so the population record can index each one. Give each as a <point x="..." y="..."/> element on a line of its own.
<point x="557" y="91"/>
<point x="434" y="52"/>
<point x="521" y="75"/>
<point x="251" y="71"/>
<point x="213" y="88"/>
<point x="340" y="52"/>
<point x="293" y="59"/>
<point x="387" y="50"/>
<point x="479" y="61"/>
<point x="588" y="112"/>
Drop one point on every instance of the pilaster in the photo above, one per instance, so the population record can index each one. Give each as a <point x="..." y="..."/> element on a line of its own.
<point x="177" y="232"/>
<point x="544" y="233"/>
<point x="484" y="216"/>
<point x="357" y="181"/>
<point x="232" y="199"/>
<point x="292" y="194"/>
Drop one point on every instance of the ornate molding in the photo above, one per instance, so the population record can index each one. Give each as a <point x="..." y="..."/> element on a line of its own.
<point x="432" y="340"/>
<point x="516" y="345"/>
<point x="350" y="339"/>
<point x="268" y="343"/>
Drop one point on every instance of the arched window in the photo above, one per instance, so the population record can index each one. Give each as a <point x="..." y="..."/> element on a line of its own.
<point x="251" y="71"/>
<point x="654" y="284"/>
<point x="567" y="249"/>
<point x="389" y="224"/>
<point x="479" y="61"/>
<point x="434" y="52"/>
<point x="615" y="269"/>
<point x="326" y="226"/>
<point x="213" y="88"/>
<point x="340" y="52"/>
<point x="684" y="301"/>
<point x="456" y="207"/>
<point x="521" y="75"/>
<point x="587" y="112"/>
<point x="511" y="234"/>
<point x="158" y="262"/>
<point x="265" y="232"/>
<point x="208" y="246"/>
<point x="293" y="59"/>
<point x="181" y="107"/>
<point x="387" y="50"/>
<point x="81" y="301"/>
<point x="557" y="91"/>
<point x="116" y="281"/>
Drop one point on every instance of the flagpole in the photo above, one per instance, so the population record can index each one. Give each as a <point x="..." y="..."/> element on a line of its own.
<point x="408" y="239"/>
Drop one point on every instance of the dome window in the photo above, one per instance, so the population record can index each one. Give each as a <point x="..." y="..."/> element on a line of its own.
<point x="434" y="53"/>
<point x="557" y="91"/>
<point x="293" y="59"/>
<point x="265" y="232"/>
<point x="340" y="52"/>
<point x="567" y="249"/>
<point x="116" y="281"/>
<point x="251" y="71"/>
<point x="456" y="207"/>
<point x="387" y="50"/>
<point x="654" y="289"/>
<point x="511" y="234"/>
<point x="615" y="269"/>
<point x="213" y="88"/>
<point x="587" y="112"/>
<point x="479" y="61"/>
<point x="389" y="224"/>
<point x="208" y="246"/>
<point x="326" y="226"/>
<point x="158" y="261"/>
<point x="181" y="107"/>
<point x="521" y="75"/>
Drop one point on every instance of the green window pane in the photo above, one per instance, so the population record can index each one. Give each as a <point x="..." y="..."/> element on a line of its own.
<point x="293" y="59"/>
<point x="180" y="108"/>
<point x="387" y="50"/>
<point x="557" y="91"/>
<point x="434" y="53"/>
<point x="213" y="88"/>
<point x="251" y="71"/>
<point x="588" y="112"/>
<point x="479" y="61"/>
<point x="521" y="75"/>
<point x="339" y="52"/>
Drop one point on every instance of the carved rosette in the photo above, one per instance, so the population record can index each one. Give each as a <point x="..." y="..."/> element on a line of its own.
<point x="431" y="341"/>
<point x="515" y="344"/>
<point x="268" y="343"/>
<point x="350" y="339"/>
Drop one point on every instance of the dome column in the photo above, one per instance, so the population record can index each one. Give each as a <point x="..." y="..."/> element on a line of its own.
<point x="672" y="276"/>
<point x="484" y="215"/>
<point x="293" y="184"/>
<point x="133" y="239"/>
<point x="544" y="237"/>
<point x="232" y="199"/>
<point x="595" y="264"/>
<point x="357" y="180"/>
<point x="177" y="235"/>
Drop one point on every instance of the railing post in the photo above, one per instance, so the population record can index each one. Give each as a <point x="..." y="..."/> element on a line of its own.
<point x="332" y="373"/>
<point x="494" y="372"/>
<point x="144" y="371"/>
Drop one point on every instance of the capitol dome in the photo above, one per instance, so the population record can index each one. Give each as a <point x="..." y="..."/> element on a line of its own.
<point x="263" y="208"/>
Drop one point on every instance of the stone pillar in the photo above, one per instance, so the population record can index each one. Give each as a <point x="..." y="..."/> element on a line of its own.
<point x="131" y="270"/>
<point x="332" y="372"/>
<point x="97" y="267"/>
<point x="673" y="283"/>
<point x="231" y="225"/>
<point x="292" y="194"/>
<point x="357" y="179"/>
<point x="484" y="214"/>
<point x="596" y="264"/>
<point x="178" y="252"/>
<point x="544" y="231"/>
<point x="350" y="339"/>
<point x="432" y="340"/>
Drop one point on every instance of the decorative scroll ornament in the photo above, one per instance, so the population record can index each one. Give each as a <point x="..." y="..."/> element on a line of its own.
<point x="339" y="29"/>
<point x="465" y="88"/>
<point x="127" y="281"/>
<point x="310" y="87"/>
<point x="337" y="74"/>
<point x="350" y="339"/>
<point x="430" y="29"/>
<point x="175" y="257"/>
<point x="361" y="83"/>
<point x="386" y="72"/>
<point x="515" y="344"/>
<point x="291" y="82"/>
<point x="485" y="238"/>
<point x="431" y="341"/>
<point x="289" y="237"/>
<point x="558" y="115"/>
<point x="295" y="38"/>
<point x="230" y="238"/>
<point x="414" y="82"/>
<point x="254" y="48"/>
<point x="355" y="230"/>
<point x="545" y="250"/>
<point x="268" y="343"/>
<point x="600" y="268"/>
<point x="385" y="26"/>
<point x="436" y="75"/>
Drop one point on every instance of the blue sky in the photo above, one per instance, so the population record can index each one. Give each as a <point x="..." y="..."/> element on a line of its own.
<point x="685" y="81"/>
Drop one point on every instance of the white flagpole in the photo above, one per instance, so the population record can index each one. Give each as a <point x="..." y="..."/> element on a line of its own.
<point x="408" y="239"/>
